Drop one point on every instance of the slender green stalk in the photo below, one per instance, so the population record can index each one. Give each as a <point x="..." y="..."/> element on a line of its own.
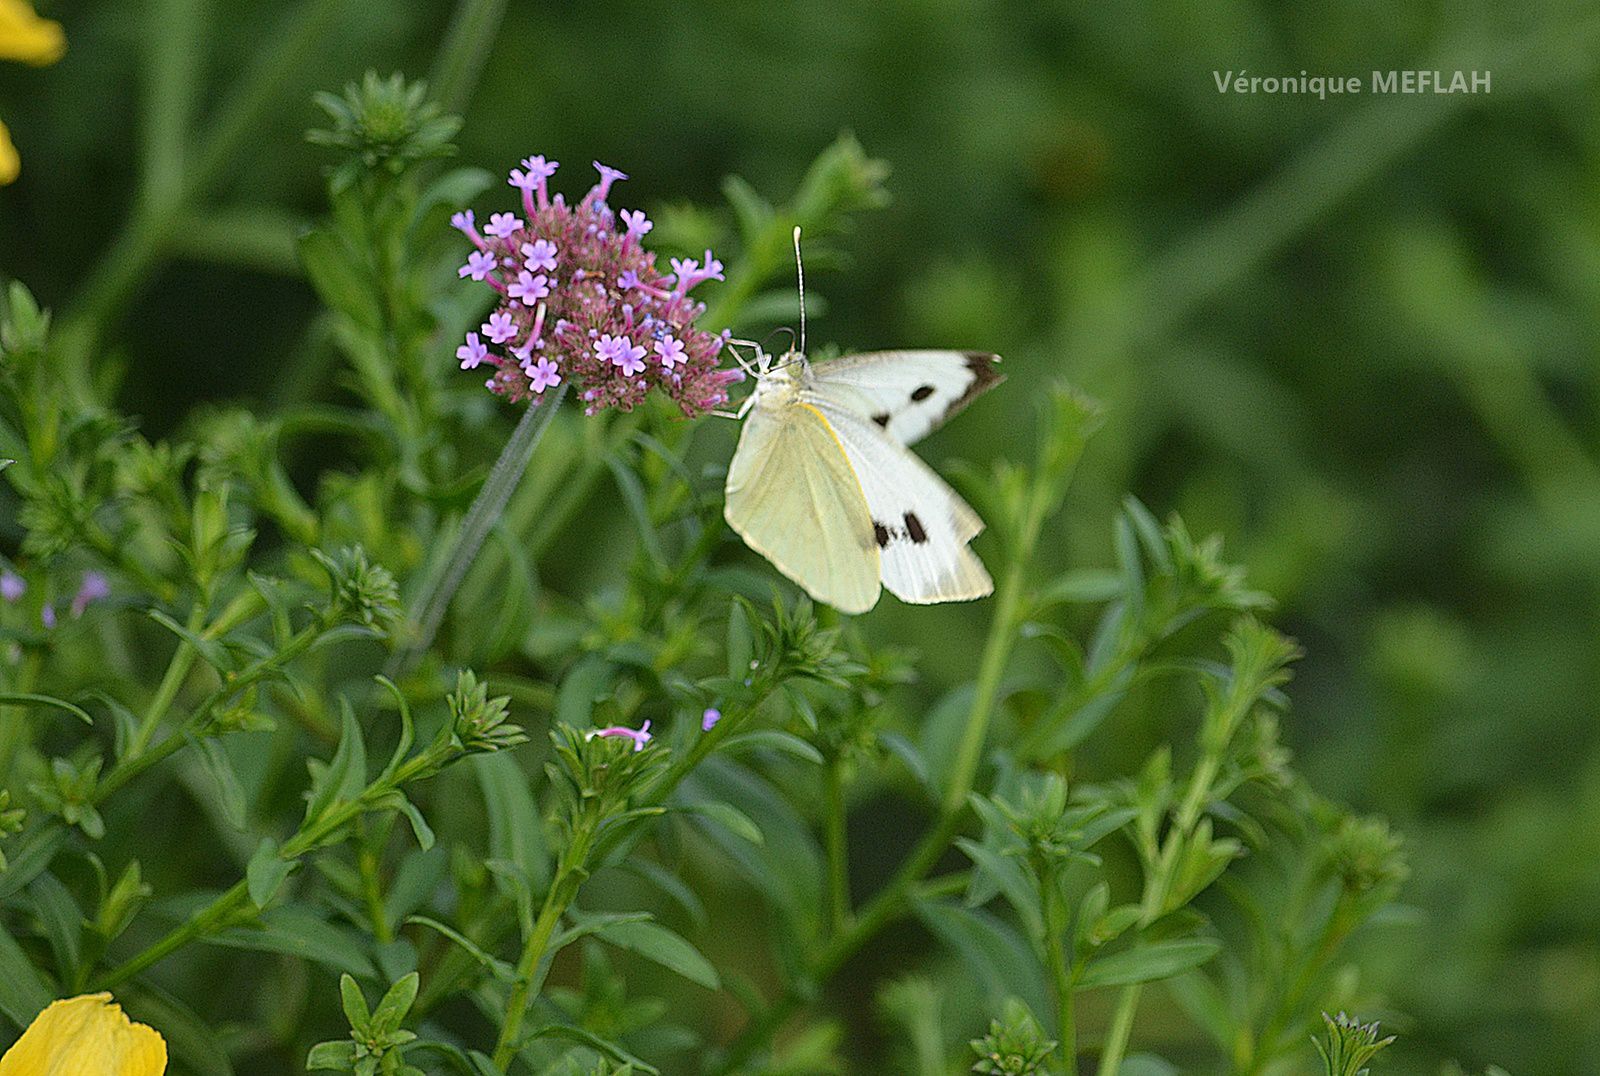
<point x="1062" y="976"/>
<point x="460" y="61"/>
<point x="837" y="843"/>
<point x="433" y="602"/>
<point x="556" y="902"/>
<point x="177" y="669"/>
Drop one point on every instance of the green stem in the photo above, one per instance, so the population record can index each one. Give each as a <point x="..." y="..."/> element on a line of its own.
<point x="433" y="602"/>
<point x="460" y="61"/>
<point x="212" y="918"/>
<point x="562" y="891"/>
<point x="177" y="669"/>
<point x="836" y="840"/>
<point x="1061" y="974"/>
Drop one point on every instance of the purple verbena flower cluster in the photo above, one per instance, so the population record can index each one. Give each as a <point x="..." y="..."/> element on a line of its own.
<point x="581" y="300"/>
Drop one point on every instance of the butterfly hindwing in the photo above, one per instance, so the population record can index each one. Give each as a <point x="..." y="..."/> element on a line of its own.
<point x="794" y="497"/>
<point x="907" y="394"/>
<point x="920" y="525"/>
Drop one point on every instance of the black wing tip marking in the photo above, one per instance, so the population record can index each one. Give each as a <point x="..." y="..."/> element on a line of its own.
<point x="909" y="529"/>
<point x="984" y="377"/>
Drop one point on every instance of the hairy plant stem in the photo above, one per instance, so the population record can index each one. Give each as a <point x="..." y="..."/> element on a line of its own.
<point x="433" y="601"/>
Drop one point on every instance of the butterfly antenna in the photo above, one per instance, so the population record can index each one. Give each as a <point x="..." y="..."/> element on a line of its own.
<point x="800" y="271"/>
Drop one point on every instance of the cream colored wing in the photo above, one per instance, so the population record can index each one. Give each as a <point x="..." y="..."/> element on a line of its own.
<point x="920" y="525"/>
<point x="907" y="394"/>
<point x="794" y="498"/>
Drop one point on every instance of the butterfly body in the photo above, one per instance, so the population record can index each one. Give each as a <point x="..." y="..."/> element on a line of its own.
<point x="824" y="486"/>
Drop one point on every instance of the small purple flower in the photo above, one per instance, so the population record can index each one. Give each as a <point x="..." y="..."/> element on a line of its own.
<point x="472" y="352"/>
<point x="465" y="223"/>
<point x="691" y="274"/>
<point x="529" y="288"/>
<point x="540" y="255"/>
<point x="94" y="587"/>
<point x="640" y="736"/>
<point x="499" y="328"/>
<point x="531" y="179"/>
<point x="47" y="617"/>
<point x="502" y="225"/>
<point x="636" y="222"/>
<point x="12" y="588"/>
<point x="544" y="374"/>
<point x="709" y="719"/>
<point x="671" y="351"/>
<point x="608" y="176"/>
<point x="621" y="352"/>
<point x="479" y="265"/>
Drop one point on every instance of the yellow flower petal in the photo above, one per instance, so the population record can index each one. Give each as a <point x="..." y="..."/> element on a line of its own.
<point x="86" y="1036"/>
<point x="10" y="163"/>
<point x="25" y="36"/>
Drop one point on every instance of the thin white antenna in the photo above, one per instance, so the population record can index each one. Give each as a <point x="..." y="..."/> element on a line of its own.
<point x="800" y="271"/>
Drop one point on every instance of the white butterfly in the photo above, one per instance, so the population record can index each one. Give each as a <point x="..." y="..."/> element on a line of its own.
<point x="823" y="485"/>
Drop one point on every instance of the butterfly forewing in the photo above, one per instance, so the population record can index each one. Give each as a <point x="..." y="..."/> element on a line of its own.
<point x="795" y="499"/>
<point x="907" y="394"/>
<point x="920" y="525"/>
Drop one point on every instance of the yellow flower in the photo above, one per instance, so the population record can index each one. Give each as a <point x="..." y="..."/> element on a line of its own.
<point x="25" y="37"/>
<point x="86" y="1036"/>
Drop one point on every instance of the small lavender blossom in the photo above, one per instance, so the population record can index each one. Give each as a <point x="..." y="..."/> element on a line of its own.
<point x="95" y="586"/>
<point x="709" y="719"/>
<point x="12" y="588"/>
<point x="47" y="617"/>
<point x="472" y="352"/>
<point x="640" y="736"/>
<point x="540" y="256"/>
<point x="670" y="351"/>
<point x="622" y="353"/>
<point x="543" y="374"/>
<point x="479" y="265"/>
<point x="571" y="275"/>
<point x="636" y="222"/>
<point x="502" y="224"/>
<point x="608" y="176"/>
<point x="529" y="288"/>
<point x="499" y="328"/>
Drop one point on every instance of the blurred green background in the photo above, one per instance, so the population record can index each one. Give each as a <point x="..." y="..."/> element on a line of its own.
<point x="1358" y="337"/>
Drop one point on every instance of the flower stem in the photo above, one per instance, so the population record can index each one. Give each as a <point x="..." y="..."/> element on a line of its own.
<point x="177" y="669"/>
<point x="838" y="849"/>
<point x="433" y="602"/>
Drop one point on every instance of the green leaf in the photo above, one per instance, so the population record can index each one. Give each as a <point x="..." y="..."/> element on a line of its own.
<point x="419" y="825"/>
<point x="1005" y="873"/>
<point x="594" y="1042"/>
<point x="339" y="1056"/>
<point x="211" y="652"/>
<point x="342" y="778"/>
<point x="297" y="932"/>
<point x="391" y="1011"/>
<point x="354" y="1003"/>
<point x="655" y="942"/>
<point x="1146" y="963"/>
<point x="62" y="921"/>
<point x="726" y="814"/>
<point x="1003" y="962"/>
<point x="266" y="872"/>
<point x="741" y="642"/>
<point x="24" y="698"/>
<point x="230" y="793"/>
<point x="500" y="969"/>
<point x="23" y="994"/>
<point x="338" y="278"/>
<point x="514" y="830"/>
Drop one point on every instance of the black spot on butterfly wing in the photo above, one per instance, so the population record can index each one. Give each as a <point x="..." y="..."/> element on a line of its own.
<point x="914" y="528"/>
<point x="881" y="533"/>
<point x="921" y="392"/>
<point x="882" y="419"/>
